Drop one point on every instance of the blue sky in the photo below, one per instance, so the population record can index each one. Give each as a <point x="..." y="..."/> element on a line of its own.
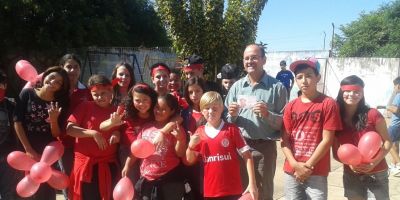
<point x="289" y="25"/>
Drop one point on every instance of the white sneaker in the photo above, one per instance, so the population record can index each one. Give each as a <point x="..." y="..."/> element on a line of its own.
<point x="395" y="170"/>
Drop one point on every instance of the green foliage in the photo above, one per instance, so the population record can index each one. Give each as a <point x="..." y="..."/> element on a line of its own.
<point x="376" y="34"/>
<point x="42" y="30"/>
<point x="206" y="28"/>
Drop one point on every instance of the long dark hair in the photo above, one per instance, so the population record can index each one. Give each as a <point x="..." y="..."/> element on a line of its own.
<point x="116" y="93"/>
<point x="193" y="81"/>
<point x="360" y="117"/>
<point x="141" y="88"/>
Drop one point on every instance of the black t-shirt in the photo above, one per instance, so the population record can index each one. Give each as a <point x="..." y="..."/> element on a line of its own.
<point x="8" y="139"/>
<point x="32" y="112"/>
<point x="213" y="86"/>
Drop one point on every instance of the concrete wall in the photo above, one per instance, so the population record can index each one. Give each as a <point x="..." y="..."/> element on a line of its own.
<point x="377" y="73"/>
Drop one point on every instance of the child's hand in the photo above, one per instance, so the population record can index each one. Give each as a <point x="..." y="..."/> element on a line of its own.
<point x="252" y="189"/>
<point x="125" y="171"/>
<point x="116" y="119"/>
<point x="99" y="139"/>
<point x="178" y="133"/>
<point x="54" y="111"/>
<point x="114" y="138"/>
<point x="194" y="140"/>
<point x="362" y="168"/>
<point x="302" y="171"/>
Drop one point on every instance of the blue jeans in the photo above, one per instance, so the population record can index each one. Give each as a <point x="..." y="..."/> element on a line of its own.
<point x="314" y="188"/>
<point x="367" y="186"/>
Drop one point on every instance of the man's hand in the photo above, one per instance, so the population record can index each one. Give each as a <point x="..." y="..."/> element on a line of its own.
<point x="261" y="109"/>
<point x="233" y="109"/>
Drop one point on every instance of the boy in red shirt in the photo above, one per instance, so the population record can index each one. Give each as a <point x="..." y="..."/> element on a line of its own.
<point x="218" y="143"/>
<point x="310" y="122"/>
<point x="95" y="171"/>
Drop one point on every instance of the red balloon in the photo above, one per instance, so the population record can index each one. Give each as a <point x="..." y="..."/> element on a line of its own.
<point x="349" y="154"/>
<point x="142" y="148"/>
<point x="369" y="144"/>
<point x="246" y="196"/>
<point x="123" y="190"/>
<point x="52" y="152"/>
<point x="40" y="172"/>
<point x="19" y="160"/>
<point x="27" y="187"/>
<point x="58" y="180"/>
<point x="26" y="71"/>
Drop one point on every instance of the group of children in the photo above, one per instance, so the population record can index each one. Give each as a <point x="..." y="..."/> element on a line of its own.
<point x="185" y="128"/>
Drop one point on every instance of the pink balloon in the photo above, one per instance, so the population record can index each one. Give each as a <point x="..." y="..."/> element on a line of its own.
<point x="52" y="152"/>
<point x="58" y="180"/>
<point x="142" y="148"/>
<point x="246" y="196"/>
<point x="369" y="144"/>
<point x="27" y="187"/>
<point x="19" y="160"/>
<point x="349" y="154"/>
<point x="32" y="84"/>
<point x="26" y="71"/>
<point x="40" y="172"/>
<point x="123" y="190"/>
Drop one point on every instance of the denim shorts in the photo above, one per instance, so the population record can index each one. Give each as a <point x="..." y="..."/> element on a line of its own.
<point x="394" y="133"/>
<point x="367" y="186"/>
<point x="314" y="188"/>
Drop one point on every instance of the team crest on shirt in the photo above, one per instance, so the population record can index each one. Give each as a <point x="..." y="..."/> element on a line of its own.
<point x="225" y="142"/>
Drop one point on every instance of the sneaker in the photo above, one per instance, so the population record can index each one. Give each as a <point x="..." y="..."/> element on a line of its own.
<point x="395" y="171"/>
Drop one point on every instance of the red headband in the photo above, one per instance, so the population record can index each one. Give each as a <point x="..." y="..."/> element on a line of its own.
<point x="141" y="85"/>
<point x="158" y="68"/>
<point x="100" y="86"/>
<point x="351" y="88"/>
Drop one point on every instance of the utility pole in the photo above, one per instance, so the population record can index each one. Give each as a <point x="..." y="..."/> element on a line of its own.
<point x="333" y="36"/>
<point x="324" y="39"/>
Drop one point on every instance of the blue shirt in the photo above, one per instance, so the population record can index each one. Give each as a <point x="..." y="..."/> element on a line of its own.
<point x="286" y="77"/>
<point x="268" y="90"/>
<point x="395" y="121"/>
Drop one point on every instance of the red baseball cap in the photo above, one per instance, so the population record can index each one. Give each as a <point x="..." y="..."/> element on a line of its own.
<point x="310" y="62"/>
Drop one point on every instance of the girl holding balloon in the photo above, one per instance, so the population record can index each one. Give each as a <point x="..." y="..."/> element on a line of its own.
<point x="161" y="171"/>
<point x="368" y="179"/>
<point x="139" y="106"/>
<point x="38" y="117"/>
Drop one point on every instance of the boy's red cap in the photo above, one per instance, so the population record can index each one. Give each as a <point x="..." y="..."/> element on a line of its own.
<point x="311" y="62"/>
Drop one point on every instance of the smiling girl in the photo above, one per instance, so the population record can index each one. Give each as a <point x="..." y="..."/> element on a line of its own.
<point x="38" y="117"/>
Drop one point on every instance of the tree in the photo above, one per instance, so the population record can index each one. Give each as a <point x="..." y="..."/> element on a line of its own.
<point x="375" y="34"/>
<point x="42" y="31"/>
<point x="204" y="27"/>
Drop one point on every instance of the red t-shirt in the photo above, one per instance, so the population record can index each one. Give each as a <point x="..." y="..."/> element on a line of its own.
<point x="89" y="115"/>
<point x="75" y="98"/>
<point x="164" y="158"/>
<point x="221" y="161"/>
<point x="304" y="123"/>
<point x="350" y="135"/>
<point x="194" y="118"/>
<point x="131" y="129"/>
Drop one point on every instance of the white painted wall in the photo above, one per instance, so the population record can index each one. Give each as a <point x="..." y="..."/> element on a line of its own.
<point x="377" y="73"/>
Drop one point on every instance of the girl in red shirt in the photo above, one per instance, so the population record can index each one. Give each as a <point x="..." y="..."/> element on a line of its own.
<point x="160" y="172"/>
<point x="194" y="89"/>
<point x="367" y="180"/>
